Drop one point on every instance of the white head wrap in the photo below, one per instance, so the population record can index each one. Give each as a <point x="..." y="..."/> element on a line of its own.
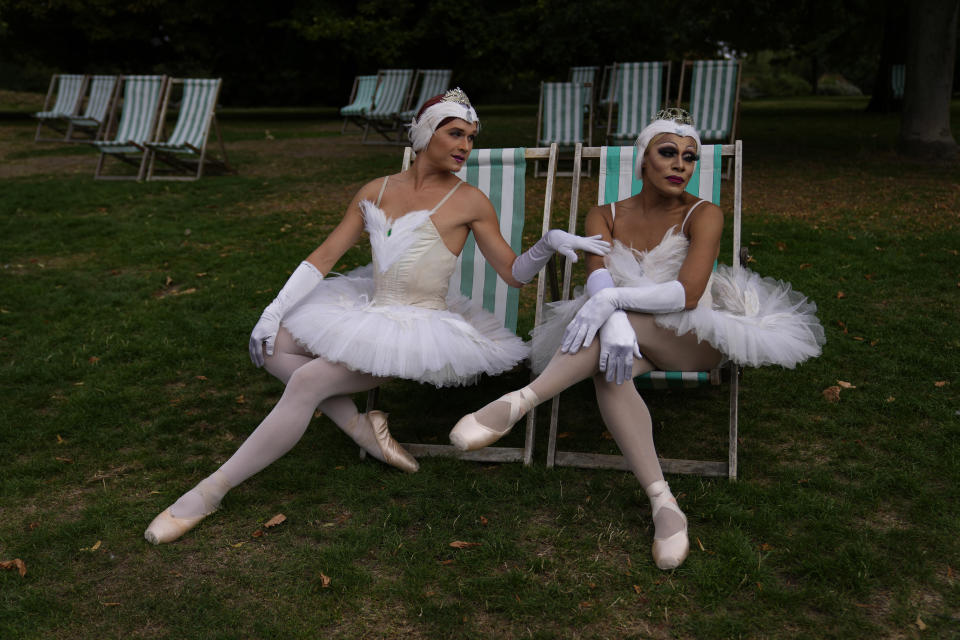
<point x="455" y="104"/>
<point x="676" y="121"/>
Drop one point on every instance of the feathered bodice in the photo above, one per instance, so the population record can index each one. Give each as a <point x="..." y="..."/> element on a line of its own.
<point x="411" y="264"/>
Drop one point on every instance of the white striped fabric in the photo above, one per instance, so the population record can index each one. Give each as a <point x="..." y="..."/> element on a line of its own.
<point x="500" y="174"/>
<point x="639" y="96"/>
<point x="193" y="120"/>
<point x="433" y="82"/>
<point x="562" y="113"/>
<point x="585" y="75"/>
<point x="898" y="79"/>
<point x="69" y="86"/>
<point x="363" y="99"/>
<point x="141" y="99"/>
<point x="391" y="92"/>
<point x="617" y="180"/>
<point x="713" y="89"/>
<point x="101" y="90"/>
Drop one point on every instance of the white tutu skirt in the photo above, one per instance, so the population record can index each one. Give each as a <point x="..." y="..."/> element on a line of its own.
<point x="752" y="320"/>
<point x="442" y="347"/>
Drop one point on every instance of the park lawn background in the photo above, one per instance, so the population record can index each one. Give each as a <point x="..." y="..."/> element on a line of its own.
<point x="124" y="318"/>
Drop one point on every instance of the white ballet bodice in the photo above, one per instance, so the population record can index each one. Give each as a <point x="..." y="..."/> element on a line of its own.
<point x="411" y="263"/>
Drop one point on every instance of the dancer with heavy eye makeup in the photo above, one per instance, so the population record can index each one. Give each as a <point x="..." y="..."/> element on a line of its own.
<point x="654" y="302"/>
<point x="326" y="338"/>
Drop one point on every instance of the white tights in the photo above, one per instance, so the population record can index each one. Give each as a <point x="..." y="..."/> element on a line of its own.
<point x="623" y="410"/>
<point x="311" y="383"/>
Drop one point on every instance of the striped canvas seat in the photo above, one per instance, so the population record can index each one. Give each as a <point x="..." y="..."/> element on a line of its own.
<point x="140" y="112"/>
<point x="714" y="97"/>
<point x="69" y="96"/>
<point x="501" y="175"/>
<point x="616" y="182"/>
<point x="191" y="133"/>
<point x="898" y="80"/>
<point x="361" y="99"/>
<point x="432" y="82"/>
<point x="389" y="99"/>
<point x="98" y="105"/>
<point x="587" y="76"/>
<point x="640" y="94"/>
<point x="561" y="113"/>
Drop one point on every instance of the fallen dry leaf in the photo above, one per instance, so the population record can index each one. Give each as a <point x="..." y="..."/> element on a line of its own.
<point x="920" y="623"/>
<point x="60" y="440"/>
<point x="637" y="589"/>
<point x="940" y="383"/>
<point x="845" y="385"/>
<point x="16" y="563"/>
<point x="606" y="435"/>
<point x="460" y="544"/>
<point x="238" y="545"/>
<point x="324" y="580"/>
<point x="258" y="533"/>
<point x="240" y="399"/>
<point x="61" y="459"/>
<point x="93" y="359"/>
<point x="841" y="294"/>
<point x="448" y="561"/>
<point x="484" y="521"/>
<point x="274" y="521"/>
<point x="890" y="398"/>
<point x="563" y="434"/>
<point x="200" y="377"/>
<point x="832" y="394"/>
<point x="805" y="265"/>
<point x="781" y="246"/>
<point x="766" y="547"/>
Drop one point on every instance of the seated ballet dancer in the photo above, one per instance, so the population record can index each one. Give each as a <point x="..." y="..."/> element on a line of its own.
<point x="654" y="302"/>
<point x="328" y="338"/>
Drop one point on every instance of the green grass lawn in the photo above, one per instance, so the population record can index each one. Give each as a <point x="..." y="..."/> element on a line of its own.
<point x="124" y="319"/>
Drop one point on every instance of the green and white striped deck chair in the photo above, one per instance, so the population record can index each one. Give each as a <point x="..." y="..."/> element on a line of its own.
<point x="431" y="82"/>
<point x="361" y="99"/>
<point x="69" y="88"/>
<point x="617" y="182"/>
<point x="139" y="118"/>
<point x="714" y="98"/>
<point x="640" y="94"/>
<point x="93" y="120"/>
<point x="560" y="117"/>
<point x="389" y="99"/>
<point x="501" y="175"/>
<point x="898" y="80"/>
<point x="587" y="76"/>
<point x="185" y="150"/>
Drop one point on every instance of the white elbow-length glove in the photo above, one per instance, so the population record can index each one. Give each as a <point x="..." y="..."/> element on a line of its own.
<point x="618" y="342"/>
<point x="301" y="282"/>
<point x="648" y="298"/>
<point x="529" y="263"/>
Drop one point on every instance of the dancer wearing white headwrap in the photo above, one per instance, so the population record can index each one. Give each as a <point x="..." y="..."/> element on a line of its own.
<point x="326" y="338"/>
<point x="654" y="302"/>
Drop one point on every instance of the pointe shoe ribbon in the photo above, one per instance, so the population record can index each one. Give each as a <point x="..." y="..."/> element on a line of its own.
<point x="669" y="552"/>
<point x="166" y="527"/>
<point x="469" y="434"/>
<point x="393" y="453"/>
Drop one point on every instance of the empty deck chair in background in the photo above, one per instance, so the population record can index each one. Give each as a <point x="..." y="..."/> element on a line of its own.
<point x="93" y="121"/>
<point x="617" y="181"/>
<point x="185" y="151"/>
<point x="714" y="97"/>
<point x="607" y="93"/>
<point x="501" y="175"/>
<point x="361" y="99"/>
<point x="585" y="76"/>
<point x="393" y="87"/>
<point x="560" y="117"/>
<point x="430" y="82"/>
<point x="139" y="118"/>
<point x="69" y="89"/>
<point x="641" y="92"/>
<point x="898" y="80"/>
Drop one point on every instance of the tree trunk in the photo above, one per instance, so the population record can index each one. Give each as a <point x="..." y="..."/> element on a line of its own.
<point x="893" y="50"/>
<point x="925" y="125"/>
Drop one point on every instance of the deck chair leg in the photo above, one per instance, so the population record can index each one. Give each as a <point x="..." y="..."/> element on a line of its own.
<point x="734" y="419"/>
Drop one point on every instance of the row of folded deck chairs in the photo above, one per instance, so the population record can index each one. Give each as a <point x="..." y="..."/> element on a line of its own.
<point x="630" y="94"/>
<point x="125" y="118"/>
<point x="384" y="102"/>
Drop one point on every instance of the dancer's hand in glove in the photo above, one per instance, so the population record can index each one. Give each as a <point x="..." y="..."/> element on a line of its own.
<point x="618" y="347"/>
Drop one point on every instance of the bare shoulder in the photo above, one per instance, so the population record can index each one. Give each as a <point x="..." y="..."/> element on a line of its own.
<point x="599" y="220"/>
<point x="474" y="202"/>
<point x="707" y="217"/>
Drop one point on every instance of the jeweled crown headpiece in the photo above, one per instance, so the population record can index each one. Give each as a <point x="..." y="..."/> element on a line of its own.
<point x="671" y="120"/>
<point x="454" y="104"/>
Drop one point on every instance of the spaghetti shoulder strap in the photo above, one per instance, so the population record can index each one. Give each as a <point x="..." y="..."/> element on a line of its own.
<point x="613" y="212"/>
<point x="383" y="188"/>
<point x="446" y="197"/>
<point x="687" y="217"/>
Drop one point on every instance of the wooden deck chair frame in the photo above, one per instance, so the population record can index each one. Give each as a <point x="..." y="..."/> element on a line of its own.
<point x="190" y="137"/>
<point x="586" y="75"/>
<point x="494" y="454"/>
<point x="735" y="106"/>
<point x="143" y="124"/>
<point x="361" y="98"/>
<point x="726" y="468"/>
<point x="426" y="84"/>
<point x="93" y="120"/>
<point x="573" y="109"/>
<point x="70" y="89"/>
<point x="606" y="93"/>
<point x="640" y="111"/>
<point x="389" y="99"/>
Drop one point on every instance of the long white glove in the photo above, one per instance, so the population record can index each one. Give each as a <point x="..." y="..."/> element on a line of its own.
<point x="301" y="282"/>
<point x="618" y="342"/>
<point x="529" y="263"/>
<point x="651" y="298"/>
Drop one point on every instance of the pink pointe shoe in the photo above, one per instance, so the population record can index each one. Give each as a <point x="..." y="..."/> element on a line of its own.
<point x="468" y="434"/>
<point x="166" y="527"/>
<point x="669" y="552"/>
<point x="393" y="453"/>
